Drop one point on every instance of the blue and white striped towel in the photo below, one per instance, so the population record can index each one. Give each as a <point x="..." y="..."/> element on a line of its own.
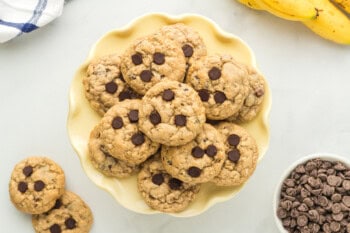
<point x="23" y="16"/>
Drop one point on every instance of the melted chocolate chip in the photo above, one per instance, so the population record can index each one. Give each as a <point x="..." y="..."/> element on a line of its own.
<point x="138" y="139"/>
<point x="219" y="97"/>
<point x="187" y="50"/>
<point x="233" y="155"/>
<point x="27" y="171"/>
<point x="133" y="116"/>
<point x="55" y="228"/>
<point x="117" y="122"/>
<point x="168" y="95"/>
<point x="259" y="92"/>
<point x="22" y="187"/>
<point x="111" y="87"/>
<point x="158" y="179"/>
<point x="233" y="139"/>
<point x="180" y="120"/>
<point x="194" y="172"/>
<point x="58" y="204"/>
<point x="155" y="118"/>
<point x="136" y="58"/>
<point x="70" y="223"/>
<point x="214" y="73"/>
<point x="146" y="75"/>
<point x="175" y="184"/>
<point x="204" y="95"/>
<point x="197" y="152"/>
<point x="158" y="58"/>
<point x="211" y="151"/>
<point x="39" y="185"/>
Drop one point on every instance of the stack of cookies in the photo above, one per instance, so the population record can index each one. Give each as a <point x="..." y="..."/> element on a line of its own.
<point x="37" y="187"/>
<point x="171" y="114"/>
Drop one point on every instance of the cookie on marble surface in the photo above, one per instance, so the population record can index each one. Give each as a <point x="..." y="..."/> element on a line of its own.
<point x="69" y="214"/>
<point x="163" y="192"/>
<point x="242" y="155"/>
<point x="253" y="102"/>
<point x="221" y="83"/>
<point x="121" y="136"/>
<point x="104" y="84"/>
<point x="104" y="162"/>
<point x="35" y="184"/>
<point x="171" y="113"/>
<point x="150" y="60"/>
<point x="189" y="40"/>
<point x="198" y="161"/>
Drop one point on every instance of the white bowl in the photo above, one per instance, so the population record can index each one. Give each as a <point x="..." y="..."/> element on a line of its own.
<point x="82" y="118"/>
<point x="276" y="197"/>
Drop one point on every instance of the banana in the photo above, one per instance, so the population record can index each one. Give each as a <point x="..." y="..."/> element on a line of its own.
<point x="295" y="10"/>
<point x="330" y="23"/>
<point x="344" y="4"/>
<point x="251" y="4"/>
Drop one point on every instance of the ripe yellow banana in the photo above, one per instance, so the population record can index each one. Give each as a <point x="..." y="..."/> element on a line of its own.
<point x="345" y="4"/>
<point x="296" y="10"/>
<point x="251" y="3"/>
<point x="330" y="23"/>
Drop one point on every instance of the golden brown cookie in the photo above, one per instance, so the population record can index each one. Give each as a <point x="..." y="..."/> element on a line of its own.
<point x="70" y="214"/>
<point x="242" y="155"/>
<point x="171" y="113"/>
<point x="36" y="183"/>
<point x="163" y="192"/>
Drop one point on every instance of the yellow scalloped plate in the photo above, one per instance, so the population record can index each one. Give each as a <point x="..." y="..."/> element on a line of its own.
<point x="82" y="118"/>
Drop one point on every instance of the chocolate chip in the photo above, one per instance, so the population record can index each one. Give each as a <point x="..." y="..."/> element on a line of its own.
<point x="302" y="220"/>
<point x="27" y="171"/>
<point x="334" y="180"/>
<point x="168" y="95"/>
<point x="155" y="118"/>
<point x="175" y="184"/>
<point x="133" y="116"/>
<point x="346" y="185"/>
<point x="194" y="172"/>
<point x="70" y="223"/>
<point x="58" y="204"/>
<point x="259" y="93"/>
<point x="22" y="187"/>
<point x="157" y="179"/>
<point x="211" y="151"/>
<point x="346" y="201"/>
<point x="117" y="122"/>
<point x="187" y="50"/>
<point x="136" y="58"/>
<point x="233" y="140"/>
<point x="55" y="228"/>
<point x="111" y="87"/>
<point x="158" y="58"/>
<point x="204" y="95"/>
<point x="214" y="73"/>
<point x="335" y="226"/>
<point x="146" y="75"/>
<point x="138" y="139"/>
<point x="233" y="155"/>
<point x="197" y="152"/>
<point x="219" y="97"/>
<point x="281" y="213"/>
<point x="39" y="185"/>
<point x="180" y="120"/>
<point x="124" y="95"/>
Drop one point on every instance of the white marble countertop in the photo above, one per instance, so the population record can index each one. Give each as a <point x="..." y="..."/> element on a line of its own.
<point x="309" y="78"/>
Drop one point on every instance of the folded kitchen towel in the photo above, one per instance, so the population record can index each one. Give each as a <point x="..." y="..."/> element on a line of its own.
<point x="23" y="16"/>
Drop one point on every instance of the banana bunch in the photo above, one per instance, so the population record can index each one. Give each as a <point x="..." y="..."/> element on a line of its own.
<point x="327" y="18"/>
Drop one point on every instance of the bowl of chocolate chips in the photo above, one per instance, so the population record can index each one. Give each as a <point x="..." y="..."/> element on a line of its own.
<point x="313" y="195"/>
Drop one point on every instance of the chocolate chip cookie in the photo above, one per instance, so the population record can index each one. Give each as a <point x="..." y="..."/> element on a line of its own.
<point x="190" y="42"/>
<point x="69" y="214"/>
<point x="150" y="60"/>
<point x="36" y="183"/>
<point x="163" y="192"/>
<point x="121" y="136"/>
<point x="198" y="161"/>
<point x="104" y="162"/>
<point x="221" y="83"/>
<point x="171" y="113"/>
<point x="253" y="102"/>
<point x="104" y="84"/>
<point x="241" y="155"/>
